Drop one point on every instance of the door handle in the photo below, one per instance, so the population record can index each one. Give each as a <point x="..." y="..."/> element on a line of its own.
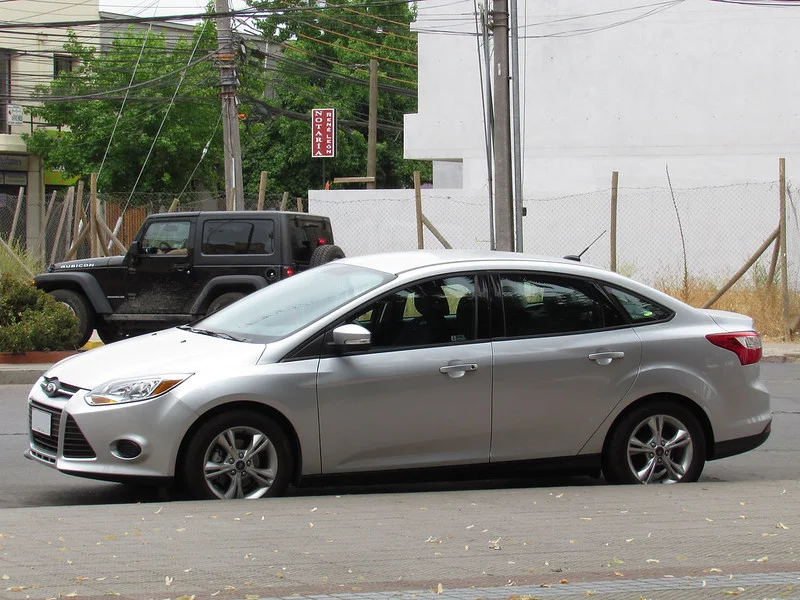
<point x="458" y="370"/>
<point x="605" y="358"/>
<point x="181" y="268"/>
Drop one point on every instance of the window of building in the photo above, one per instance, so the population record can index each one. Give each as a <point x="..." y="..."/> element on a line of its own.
<point x="62" y="63"/>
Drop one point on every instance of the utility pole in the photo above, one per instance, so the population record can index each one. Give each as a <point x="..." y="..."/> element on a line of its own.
<point x="372" y="129"/>
<point x="228" y="80"/>
<point x="503" y="197"/>
<point x="516" y="123"/>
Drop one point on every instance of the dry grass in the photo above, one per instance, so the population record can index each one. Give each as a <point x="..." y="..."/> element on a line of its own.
<point x="755" y="298"/>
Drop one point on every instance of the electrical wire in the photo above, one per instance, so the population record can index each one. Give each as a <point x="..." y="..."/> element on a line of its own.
<point x="202" y="156"/>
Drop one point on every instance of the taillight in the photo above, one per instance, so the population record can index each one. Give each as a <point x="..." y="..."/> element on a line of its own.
<point x="288" y="271"/>
<point x="745" y="344"/>
<point x="321" y="241"/>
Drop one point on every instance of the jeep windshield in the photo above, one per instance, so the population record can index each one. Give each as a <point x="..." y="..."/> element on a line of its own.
<point x="283" y="308"/>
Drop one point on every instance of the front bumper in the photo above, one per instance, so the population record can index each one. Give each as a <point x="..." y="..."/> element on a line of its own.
<point x="100" y="442"/>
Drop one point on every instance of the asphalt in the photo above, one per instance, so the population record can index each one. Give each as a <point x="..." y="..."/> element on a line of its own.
<point x="703" y="540"/>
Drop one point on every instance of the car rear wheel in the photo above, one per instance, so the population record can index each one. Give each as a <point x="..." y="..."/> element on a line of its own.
<point x="224" y="300"/>
<point x="239" y="454"/>
<point x="325" y="254"/>
<point x="82" y="310"/>
<point x="659" y="442"/>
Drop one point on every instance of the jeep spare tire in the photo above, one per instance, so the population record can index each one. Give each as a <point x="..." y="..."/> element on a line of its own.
<point x="325" y="254"/>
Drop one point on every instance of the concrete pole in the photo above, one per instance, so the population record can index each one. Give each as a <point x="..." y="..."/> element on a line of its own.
<point x="516" y="122"/>
<point x="372" y="133"/>
<point x="230" y="115"/>
<point x="503" y="198"/>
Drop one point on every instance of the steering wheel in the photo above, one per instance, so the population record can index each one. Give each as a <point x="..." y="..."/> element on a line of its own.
<point x="164" y="247"/>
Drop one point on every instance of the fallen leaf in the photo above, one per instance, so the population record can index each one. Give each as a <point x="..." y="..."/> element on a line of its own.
<point x="743" y="516"/>
<point x="109" y="537"/>
<point x="279" y="575"/>
<point x="709" y="520"/>
<point x="439" y="588"/>
<point x="17" y="588"/>
<point x="545" y="585"/>
<point x="589" y="593"/>
<point x="586" y="518"/>
<point x="653" y="560"/>
<point x="251" y="596"/>
<point x="559" y="495"/>
<point x="314" y="509"/>
<point x="617" y="561"/>
<point x="112" y="593"/>
<point x="781" y="526"/>
<point x="192" y="597"/>
<point x="763" y="559"/>
<point x="80" y="579"/>
<point x="563" y="581"/>
<point x="168" y="580"/>
<point x="629" y="540"/>
<point x="713" y="570"/>
<point x="619" y="573"/>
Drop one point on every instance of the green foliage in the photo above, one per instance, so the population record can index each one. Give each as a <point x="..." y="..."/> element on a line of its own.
<point x="19" y="262"/>
<point x="31" y="319"/>
<point x="326" y="49"/>
<point x="84" y="105"/>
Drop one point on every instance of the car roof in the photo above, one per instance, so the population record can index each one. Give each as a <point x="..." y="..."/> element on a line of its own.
<point x="230" y="214"/>
<point x="402" y="262"/>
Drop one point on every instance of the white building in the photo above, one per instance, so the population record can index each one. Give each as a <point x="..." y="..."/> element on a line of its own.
<point x="704" y="87"/>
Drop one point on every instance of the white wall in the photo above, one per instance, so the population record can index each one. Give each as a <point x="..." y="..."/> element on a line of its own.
<point x="707" y="87"/>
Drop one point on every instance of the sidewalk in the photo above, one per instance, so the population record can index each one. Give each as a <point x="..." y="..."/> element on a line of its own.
<point x="705" y="540"/>
<point x="29" y="373"/>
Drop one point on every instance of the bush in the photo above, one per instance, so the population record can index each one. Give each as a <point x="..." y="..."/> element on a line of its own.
<point x="32" y="320"/>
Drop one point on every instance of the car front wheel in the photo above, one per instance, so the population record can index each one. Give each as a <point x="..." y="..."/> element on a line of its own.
<point x="659" y="442"/>
<point x="239" y="454"/>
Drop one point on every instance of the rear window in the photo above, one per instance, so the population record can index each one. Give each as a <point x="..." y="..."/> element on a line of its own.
<point x="306" y="235"/>
<point x="639" y="308"/>
<point x="238" y="237"/>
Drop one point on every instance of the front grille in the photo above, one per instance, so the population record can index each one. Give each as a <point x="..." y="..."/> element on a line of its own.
<point x="57" y="389"/>
<point x="75" y="444"/>
<point x="45" y="443"/>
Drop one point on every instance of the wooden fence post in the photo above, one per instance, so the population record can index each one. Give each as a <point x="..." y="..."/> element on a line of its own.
<point x="787" y="334"/>
<point x="64" y="211"/>
<point x="614" y="190"/>
<point x="418" y="199"/>
<point x="93" y="241"/>
<point x="284" y="200"/>
<point x="299" y="204"/>
<point x="262" y="190"/>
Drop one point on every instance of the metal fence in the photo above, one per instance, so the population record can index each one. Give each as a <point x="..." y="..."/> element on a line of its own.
<point x="710" y="230"/>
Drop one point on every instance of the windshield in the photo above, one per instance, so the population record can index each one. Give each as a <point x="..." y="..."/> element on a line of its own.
<point x="282" y="308"/>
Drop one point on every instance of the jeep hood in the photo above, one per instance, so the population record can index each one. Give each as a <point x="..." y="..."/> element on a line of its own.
<point x="169" y="351"/>
<point x="87" y="263"/>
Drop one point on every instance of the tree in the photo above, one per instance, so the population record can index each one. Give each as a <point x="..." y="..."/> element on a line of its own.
<point x="140" y="70"/>
<point x="323" y="62"/>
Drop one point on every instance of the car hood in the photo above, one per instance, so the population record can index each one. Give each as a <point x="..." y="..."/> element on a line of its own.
<point x="87" y="263"/>
<point x="169" y="351"/>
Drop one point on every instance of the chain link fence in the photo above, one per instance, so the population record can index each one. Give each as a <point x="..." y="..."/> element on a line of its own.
<point x="709" y="232"/>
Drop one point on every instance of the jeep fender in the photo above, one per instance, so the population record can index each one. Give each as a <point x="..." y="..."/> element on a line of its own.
<point x="78" y="281"/>
<point x="224" y="283"/>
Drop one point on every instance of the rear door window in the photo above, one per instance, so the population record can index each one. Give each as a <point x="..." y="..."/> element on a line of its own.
<point x="238" y="237"/>
<point x="307" y="234"/>
<point x="534" y="304"/>
<point x="638" y="308"/>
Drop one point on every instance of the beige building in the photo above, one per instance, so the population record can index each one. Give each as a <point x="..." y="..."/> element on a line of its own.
<point x="29" y="56"/>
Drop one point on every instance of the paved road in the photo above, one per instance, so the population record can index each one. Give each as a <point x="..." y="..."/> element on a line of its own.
<point x="734" y="534"/>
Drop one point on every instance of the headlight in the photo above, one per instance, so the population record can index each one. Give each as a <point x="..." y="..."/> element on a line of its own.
<point x="120" y="391"/>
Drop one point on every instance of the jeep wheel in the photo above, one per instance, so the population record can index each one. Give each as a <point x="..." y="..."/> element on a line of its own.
<point x="224" y="300"/>
<point x="81" y="308"/>
<point x="109" y="334"/>
<point x="325" y="254"/>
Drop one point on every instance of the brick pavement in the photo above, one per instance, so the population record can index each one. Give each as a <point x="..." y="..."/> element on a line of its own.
<point x="705" y="540"/>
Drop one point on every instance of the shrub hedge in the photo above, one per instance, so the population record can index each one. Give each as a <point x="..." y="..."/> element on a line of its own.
<point x="31" y="320"/>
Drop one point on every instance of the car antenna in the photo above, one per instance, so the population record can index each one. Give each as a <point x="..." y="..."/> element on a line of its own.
<point x="578" y="257"/>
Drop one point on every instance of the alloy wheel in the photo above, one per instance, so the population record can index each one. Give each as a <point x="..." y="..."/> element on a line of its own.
<point x="660" y="450"/>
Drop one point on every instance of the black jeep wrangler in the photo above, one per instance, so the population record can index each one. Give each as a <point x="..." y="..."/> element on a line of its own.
<point x="182" y="266"/>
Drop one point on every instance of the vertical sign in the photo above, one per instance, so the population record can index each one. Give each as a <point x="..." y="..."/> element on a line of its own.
<point x="323" y="132"/>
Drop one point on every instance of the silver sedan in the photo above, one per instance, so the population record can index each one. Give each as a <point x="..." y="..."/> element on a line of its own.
<point x="407" y="361"/>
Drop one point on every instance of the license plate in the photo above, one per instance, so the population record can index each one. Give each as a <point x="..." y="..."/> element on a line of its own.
<point x="40" y="421"/>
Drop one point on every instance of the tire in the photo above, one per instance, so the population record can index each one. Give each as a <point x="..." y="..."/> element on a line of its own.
<point x="81" y="308"/>
<point x="210" y="471"/>
<point x="109" y="334"/>
<point x="224" y="300"/>
<point x="325" y="254"/>
<point x="634" y="455"/>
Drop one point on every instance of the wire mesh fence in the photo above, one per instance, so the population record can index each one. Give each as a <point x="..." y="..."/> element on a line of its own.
<point x="707" y="232"/>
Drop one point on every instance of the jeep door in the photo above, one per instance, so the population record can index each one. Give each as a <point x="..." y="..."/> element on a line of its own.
<point x="160" y="279"/>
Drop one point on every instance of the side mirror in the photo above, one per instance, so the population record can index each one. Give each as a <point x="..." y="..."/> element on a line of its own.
<point x="133" y="249"/>
<point x="352" y="338"/>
